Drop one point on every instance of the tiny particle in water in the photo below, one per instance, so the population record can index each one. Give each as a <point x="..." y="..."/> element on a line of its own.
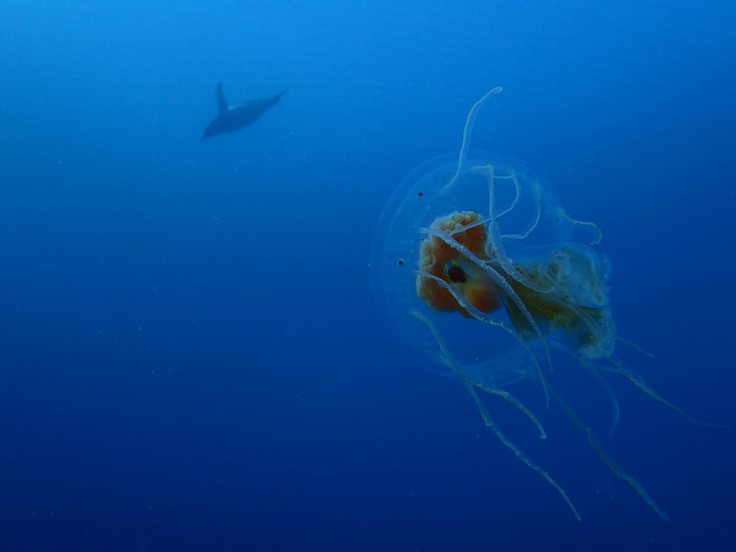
<point x="401" y="262"/>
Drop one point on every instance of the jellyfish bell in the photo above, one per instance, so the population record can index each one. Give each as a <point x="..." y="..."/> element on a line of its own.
<point x="397" y="244"/>
<point x="437" y="251"/>
<point x="481" y="274"/>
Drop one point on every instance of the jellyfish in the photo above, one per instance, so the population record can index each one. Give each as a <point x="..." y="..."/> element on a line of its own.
<point x="484" y="275"/>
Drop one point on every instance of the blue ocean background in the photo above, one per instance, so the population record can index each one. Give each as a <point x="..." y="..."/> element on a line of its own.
<point x="192" y="358"/>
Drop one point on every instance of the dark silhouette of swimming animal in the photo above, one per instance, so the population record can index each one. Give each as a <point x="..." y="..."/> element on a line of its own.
<point x="234" y="117"/>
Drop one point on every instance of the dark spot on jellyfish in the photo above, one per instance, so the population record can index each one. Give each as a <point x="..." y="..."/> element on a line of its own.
<point x="420" y="193"/>
<point x="456" y="274"/>
<point x="400" y="262"/>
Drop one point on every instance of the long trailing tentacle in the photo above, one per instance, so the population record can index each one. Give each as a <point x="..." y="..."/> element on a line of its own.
<point x="634" y="346"/>
<point x="610" y="462"/>
<point x="639" y="382"/>
<point x="473" y="311"/>
<point x="495" y="237"/>
<point x="611" y="396"/>
<point x="517" y="192"/>
<point x="450" y="361"/>
<point x="592" y="225"/>
<point x="508" y="397"/>
<point x="512" y="205"/>
<point x="488" y="421"/>
<point x="468" y="131"/>
<point x="596" y="371"/>
<point x="535" y="222"/>
<point x="472" y="385"/>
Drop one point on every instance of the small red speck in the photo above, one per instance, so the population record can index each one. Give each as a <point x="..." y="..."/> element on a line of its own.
<point x="401" y="262"/>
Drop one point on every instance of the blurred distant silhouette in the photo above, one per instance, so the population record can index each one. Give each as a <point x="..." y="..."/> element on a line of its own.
<point x="234" y="117"/>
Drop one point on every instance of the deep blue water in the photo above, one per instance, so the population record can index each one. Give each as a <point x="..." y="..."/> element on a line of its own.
<point x="192" y="359"/>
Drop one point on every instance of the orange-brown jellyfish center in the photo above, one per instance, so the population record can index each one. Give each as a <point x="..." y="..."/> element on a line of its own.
<point x="439" y="259"/>
<point x="564" y="290"/>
